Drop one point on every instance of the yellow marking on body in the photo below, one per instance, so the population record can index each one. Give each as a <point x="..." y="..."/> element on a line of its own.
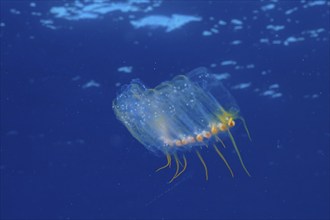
<point x="224" y="159"/>
<point x="168" y="157"/>
<point x="214" y="129"/>
<point x="231" y="122"/>
<point x="178" y="143"/>
<point x="238" y="153"/>
<point x="199" y="138"/>
<point x="227" y="117"/>
<point x="206" y="134"/>
<point x="222" y="127"/>
<point x="204" y="164"/>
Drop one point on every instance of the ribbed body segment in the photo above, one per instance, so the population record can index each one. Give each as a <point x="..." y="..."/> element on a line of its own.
<point x="177" y="114"/>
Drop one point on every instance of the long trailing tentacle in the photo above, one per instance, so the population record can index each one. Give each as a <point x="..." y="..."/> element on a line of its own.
<point x="224" y="159"/>
<point x="237" y="151"/>
<point x="177" y="168"/>
<point x="204" y="164"/>
<point x="221" y="141"/>
<point x="245" y="127"/>
<point x="184" y="166"/>
<point x="180" y="162"/>
<point x="168" y="157"/>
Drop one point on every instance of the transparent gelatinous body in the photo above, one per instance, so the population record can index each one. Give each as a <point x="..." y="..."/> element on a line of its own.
<point x="188" y="112"/>
<point x="173" y="110"/>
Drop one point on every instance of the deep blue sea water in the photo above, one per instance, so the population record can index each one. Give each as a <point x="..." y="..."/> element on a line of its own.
<point x="64" y="155"/>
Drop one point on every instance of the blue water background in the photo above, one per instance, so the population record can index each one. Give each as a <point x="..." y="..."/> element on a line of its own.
<point x="64" y="155"/>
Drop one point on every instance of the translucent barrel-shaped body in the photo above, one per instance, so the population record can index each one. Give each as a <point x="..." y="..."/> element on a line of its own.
<point x="174" y="114"/>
